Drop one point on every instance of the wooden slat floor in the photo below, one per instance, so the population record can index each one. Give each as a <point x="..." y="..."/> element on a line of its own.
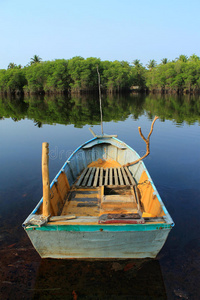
<point x="94" y="177"/>
<point x="99" y="192"/>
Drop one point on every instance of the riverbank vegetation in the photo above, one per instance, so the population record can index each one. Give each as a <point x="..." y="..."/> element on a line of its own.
<point x="79" y="75"/>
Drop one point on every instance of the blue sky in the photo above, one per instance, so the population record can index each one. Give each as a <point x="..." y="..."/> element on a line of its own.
<point x="110" y="30"/>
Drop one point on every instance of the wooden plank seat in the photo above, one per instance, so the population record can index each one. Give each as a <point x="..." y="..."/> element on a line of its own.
<point x="94" y="177"/>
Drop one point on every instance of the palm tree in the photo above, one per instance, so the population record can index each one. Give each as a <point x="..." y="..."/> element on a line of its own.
<point x="35" y="59"/>
<point x="164" y="61"/>
<point x="183" y="58"/>
<point x="194" y="58"/>
<point x="12" y="65"/>
<point x="137" y="63"/>
<point x="151" y="64"/>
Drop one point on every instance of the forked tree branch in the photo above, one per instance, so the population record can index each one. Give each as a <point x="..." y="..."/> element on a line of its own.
<point x="147" y="141"/>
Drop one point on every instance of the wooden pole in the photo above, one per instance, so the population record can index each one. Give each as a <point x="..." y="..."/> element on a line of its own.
<point x="45" y="180"/>
<point x="99" y="83"/>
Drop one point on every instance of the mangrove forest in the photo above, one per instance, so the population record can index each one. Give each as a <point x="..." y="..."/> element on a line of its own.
<point x="79" y="75"/>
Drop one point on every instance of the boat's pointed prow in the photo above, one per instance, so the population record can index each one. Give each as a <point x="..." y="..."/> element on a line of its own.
<point x="103" y="135"/>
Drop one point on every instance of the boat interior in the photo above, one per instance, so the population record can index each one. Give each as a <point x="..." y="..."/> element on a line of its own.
<point x="104" y="193"/>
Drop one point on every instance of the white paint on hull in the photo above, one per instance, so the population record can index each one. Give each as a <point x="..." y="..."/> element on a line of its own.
<point x="69" y="244"/>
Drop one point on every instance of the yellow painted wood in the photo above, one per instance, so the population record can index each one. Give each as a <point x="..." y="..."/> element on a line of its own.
<point x="101" y="163"/>
<point x="74" y="208"/>
<point x="149" y="201"/>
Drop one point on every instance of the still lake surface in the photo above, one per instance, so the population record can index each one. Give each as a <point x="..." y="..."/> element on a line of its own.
<point x="174" y="165"/>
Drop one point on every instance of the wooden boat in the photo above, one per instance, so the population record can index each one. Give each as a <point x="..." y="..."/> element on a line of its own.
<point x="102" y="204"/>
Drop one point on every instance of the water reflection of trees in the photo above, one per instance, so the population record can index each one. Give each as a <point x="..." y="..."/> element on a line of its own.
<point x="82" y="110"/>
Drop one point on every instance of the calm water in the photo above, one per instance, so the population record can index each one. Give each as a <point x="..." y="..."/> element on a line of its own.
<point x="174" y="165"/>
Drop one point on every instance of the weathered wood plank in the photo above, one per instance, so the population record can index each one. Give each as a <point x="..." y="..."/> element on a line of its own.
<point x="116" y="177"/>
<point x="137" y="198"/>
<point x="118" y="198"/>
<point x="62" y="186"/>
<point x="96" y="177"/>
<point x="60" y="218"/>
<point x="88" y="199"/>
<point x="91" y="177"/>
<point x="130" y="176"/>
<point x="86" y="192"/>
<point x="121" y="218"/>
<point x="87" y="204"/>
<point x="125" y="176"/>
<point x="59" y="192"/>
<point x="106" y="177"/>
<point x="101" y="177"/>
<point x="84" y="183"/>
<point x="66" y="179"/>
<point x="120" y="176"/>
<point x="133" y="193"/>
<point x="55" y="201"/>
<point x="110" y="176"/>
<point x="82" y="176"/>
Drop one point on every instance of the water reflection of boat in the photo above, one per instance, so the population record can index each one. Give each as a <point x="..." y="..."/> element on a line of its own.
<point x="111" y="279"/>
<point x="101" y="204"/>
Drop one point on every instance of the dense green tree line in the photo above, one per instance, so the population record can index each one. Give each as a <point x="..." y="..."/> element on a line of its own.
<point x="181" y="75"/>
<point x="79" y="75"/>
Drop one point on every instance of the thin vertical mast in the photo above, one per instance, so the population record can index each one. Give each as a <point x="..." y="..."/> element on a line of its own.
<point x="99" y="83"/>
